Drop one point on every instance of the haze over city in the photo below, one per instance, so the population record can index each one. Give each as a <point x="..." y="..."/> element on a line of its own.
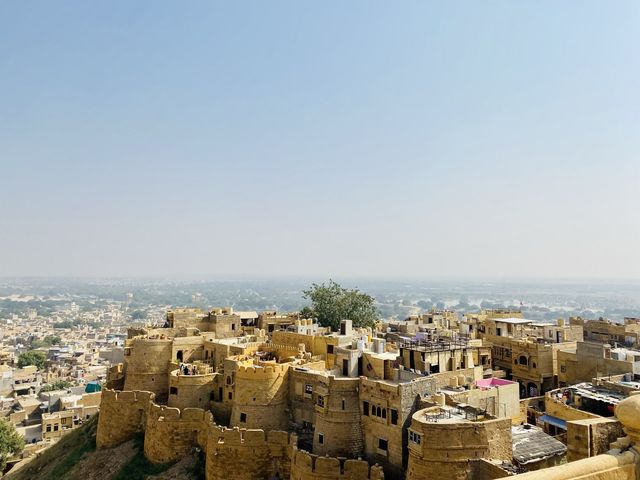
<point x="333" y="139"/>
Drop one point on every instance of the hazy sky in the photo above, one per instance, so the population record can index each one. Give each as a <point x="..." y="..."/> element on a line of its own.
<point x="392" y="139"/>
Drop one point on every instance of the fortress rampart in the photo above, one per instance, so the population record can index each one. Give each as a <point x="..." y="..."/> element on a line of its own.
<point x="305" y="466"/>
<point x="260" y="396"/>
<point x="446" y="446"/>
<point x="240" y="454"/>
<point x="338" y="418"/>
<point x="147" y="364"/>
<point x="171" y="433"/>
<point x="231" y="454"/>
<point x="122" y="415"/>
<point x="191" y="390"/>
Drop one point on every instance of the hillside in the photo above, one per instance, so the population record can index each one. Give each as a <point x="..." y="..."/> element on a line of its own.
<point x="75" y="457"/>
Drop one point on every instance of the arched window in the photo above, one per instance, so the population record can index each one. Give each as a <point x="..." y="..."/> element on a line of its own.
<point x="522" y="360"/>
<point x="384" y="413"/>
<point x="228" y="380"/>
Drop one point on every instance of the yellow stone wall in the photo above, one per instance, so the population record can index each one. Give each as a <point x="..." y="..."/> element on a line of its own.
<point x="241" y="454"/>
<point x="122" y="415"/>
<point x="171" y="433"/>
<point x="305" y="466"/>
<point x="260" y="393"/>
<point x="338" y="419"/>
<point x="191" y="390"/>
<point x="447" y="448"/>
<point x="147" y="364"/>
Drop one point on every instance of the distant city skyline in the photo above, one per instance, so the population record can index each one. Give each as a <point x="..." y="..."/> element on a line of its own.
<point x="360" y="139"/>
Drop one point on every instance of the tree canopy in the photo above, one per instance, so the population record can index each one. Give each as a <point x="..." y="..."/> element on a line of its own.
<point x="332" y="303"/>
<point x="46" y="342"/>
<point x="57" y="385"/>
<point x="11" y="442"/>
<point x="32" y="357"/>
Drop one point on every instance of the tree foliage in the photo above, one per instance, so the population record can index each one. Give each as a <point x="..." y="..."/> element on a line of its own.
<point x="46" y="342"/>
<point x="11" y="442"/>
<point x="332" y="303"/>
<point x="57" y="385"/>
<point x="32" y="357"/>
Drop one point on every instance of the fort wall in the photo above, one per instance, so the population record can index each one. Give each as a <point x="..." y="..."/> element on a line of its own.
<point x="260" y="397"/>
<point x="305" y="466"/>
<point x="338" y="419"/>
<point x="171" y="434"/>
<point x="122" y="415"/>
<point x="191" y="391"/>
<point x="445" y="448"/>
<point x="147" y="363"/>
<point x="240" y="454"/>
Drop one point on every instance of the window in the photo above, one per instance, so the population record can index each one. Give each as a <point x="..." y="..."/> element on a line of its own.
<point x="384" y="413"/>
<point x="415" y="437"/>
<point x="365" y="408"/>
<point x="321" y="438"/>
<point x="320" y="400"/>
<point x="48" y="428"/>
<point x="230" y="395"/>
<point x="563" y="368"/>
<point x="523" y="360"/>
<point x="343" y="403"/>
<point x="383" y="444"/>
<point x="533" y="364"/>
<point x="308" y="390"/>
<point x="394" y="417"/>
<point x="329" y="348"/>
<point x="173" y="390"/>
<point x="243" y="418"/>
<point x="233" y="326"/>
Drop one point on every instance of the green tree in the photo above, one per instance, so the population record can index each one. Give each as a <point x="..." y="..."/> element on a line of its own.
<point x="57" y="385"/>
<point x="46" y="342"/>
<point x="32" y="358"/>
<point x="11" y="442"/>
<point x="332" y="303"/>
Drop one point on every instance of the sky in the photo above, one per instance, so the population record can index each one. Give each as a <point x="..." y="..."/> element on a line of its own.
<point x="362" y="138"/>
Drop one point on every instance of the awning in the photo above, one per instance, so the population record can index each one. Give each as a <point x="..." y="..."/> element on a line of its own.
<point x="556" y="422"/>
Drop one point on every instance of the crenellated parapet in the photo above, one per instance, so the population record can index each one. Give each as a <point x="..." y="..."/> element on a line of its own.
<point x="122" y="415"/>
<point x="306" y="466"/>
<point x="172" y="433"/>
<point x="239" y="454"/>
<point x="260" y="396"/>
<point x="262" y="370"/>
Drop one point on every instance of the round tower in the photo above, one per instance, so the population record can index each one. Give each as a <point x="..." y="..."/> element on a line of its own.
<point x="338" y="430"/>
<point x="260" y="396"/>
<point x="193" y="390"/>
<point x="147" y="362"/>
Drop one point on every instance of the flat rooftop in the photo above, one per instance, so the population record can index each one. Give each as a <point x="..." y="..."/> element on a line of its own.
<point x="512" y="320"/>
<point x="530" y="444"/>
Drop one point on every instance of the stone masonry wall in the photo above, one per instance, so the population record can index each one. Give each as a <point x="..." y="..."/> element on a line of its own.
<point x="305" y="466"/>
<point x="447" y="448"/>
<point x="122" y="415"/>
<point x="171" y="434"/>
<point x="260" y="397"/>
<point x="240" y="454"/>
<point x="147" y="364"/>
